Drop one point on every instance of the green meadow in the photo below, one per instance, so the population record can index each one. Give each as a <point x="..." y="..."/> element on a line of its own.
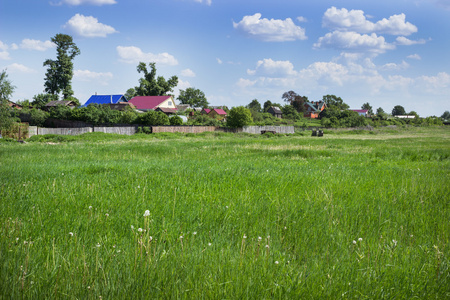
<point x="350" y="215"/>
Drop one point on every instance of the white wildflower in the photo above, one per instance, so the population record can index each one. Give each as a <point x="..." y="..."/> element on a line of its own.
<point x="360" y="239"/>
<point x="150" y="238"/>
<point x="147" y="213"/>
<point x="259" y="238"/>
<point x="267" y="246"/>
<point x="354" y="242"/>
<point x="90" y="206"/>
<point x="71" y="233"/>
<point x="98" y="245"/>
<point x="276" y="262"/>
<point x="209" y="244"/>
<point x="107" y="214"/>
<point x="181" y="237"/>
<point x="140" y="229"/>
<point x="194" y="233"/>
<point x="132" y="227"/>
<point x="244" y="236"/>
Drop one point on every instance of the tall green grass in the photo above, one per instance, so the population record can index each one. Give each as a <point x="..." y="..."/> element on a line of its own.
<point x="230" y="216"/>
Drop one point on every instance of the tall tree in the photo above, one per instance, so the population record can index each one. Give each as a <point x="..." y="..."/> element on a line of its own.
<point x="194" y="97"/>
<point x="299" y="103"/>
<point x="289" y="97"/>
<point x="151" y="85"/>
<point x="333" y="101"/>
<point x="6" y="91"/>
<point x="398" y="110"/>
<point x="40" y="100"/>
<point x="368" y="107"/>
<point x="58" y="78"/>
<point x="267" y="105"/>
<point x="239" y="117"/>
<point x="446" y="115"/>
<point x="254" y="105"/>
<point x="130" y="93"/>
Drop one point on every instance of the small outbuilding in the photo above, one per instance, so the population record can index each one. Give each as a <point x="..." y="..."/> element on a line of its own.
<point x="275" y="111"/>
<point x="67" y="103"/>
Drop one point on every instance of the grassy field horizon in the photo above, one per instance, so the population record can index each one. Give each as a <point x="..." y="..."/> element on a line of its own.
<point x="347" y="215"/>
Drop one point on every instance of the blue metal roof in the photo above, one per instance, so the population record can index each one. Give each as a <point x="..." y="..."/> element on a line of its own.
<point x="105" y="99"/>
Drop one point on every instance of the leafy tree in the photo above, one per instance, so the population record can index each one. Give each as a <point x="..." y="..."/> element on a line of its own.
<point x="194" y="97"/>
<point x="368" y="107"/>
<point x="239" y="117"/>
<point x="254" y="105"/>
<point x="58" y="78"/>
<point x="267" y="105"/>
<point x="290" y="113"/>
<point x="130" y="93"/>
<point x="175" y="120"/>
<point x="398" y="110"/>
<point x="289" y="97"/>
<point x="299" y="103"/>
<point x="446" y="115"/>
<point x="6" y="91"/>
<point x="380" y="111"/>
<point x="38" y="117"/>
<point x="154" y="118"/>
<point x="333" y="101"/>
<point x="152" y="86"/>
<point x="413" y="113"/>
<point x="40" y="100"/>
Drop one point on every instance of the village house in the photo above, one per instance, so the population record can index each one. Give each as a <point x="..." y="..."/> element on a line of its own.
<point x="67" y="103"/>
<point x="313" y="109"/>
<point x="217" y="113"/>
<point x="205" y="111"/>
<point x="362" y="112"/>
<point x="105" y="99"/>
<point x="147" y="103"/>
<point x="121" y="106"/>
<point x="275" y="111"/>
<point x="166" y="110"/>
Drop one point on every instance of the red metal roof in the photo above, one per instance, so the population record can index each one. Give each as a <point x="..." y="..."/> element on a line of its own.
<point x="148" y="102"/>
<point x="219" y="111"/>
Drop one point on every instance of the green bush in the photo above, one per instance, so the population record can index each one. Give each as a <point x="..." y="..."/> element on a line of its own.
<point x="175" y="121"/>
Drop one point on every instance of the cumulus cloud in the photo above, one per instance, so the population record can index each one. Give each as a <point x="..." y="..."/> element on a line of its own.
<point x="207" y="2"/>
<point x="414" y="56"/>
<point x="81" y="2"/>
<point x="19" y="68"/>
<point x="330" y="72"/>
<point x="133" y="55"/>
<point x="355" y="20"/>
<point x="401" y="40"/>
<point x="395" y="67"/>
<point x="245" y="83"/>
<point x="271" y="68"/>
<point x="89" y="76"/>
<point x="38" y="45"/>
<point x="187" y="73"/>
<point x="88" y="27"/>
<point x="4" y="54"/>
<point x="270" y="30"/>
<point x="355" y="42"/>
<point x="433" y="83"/>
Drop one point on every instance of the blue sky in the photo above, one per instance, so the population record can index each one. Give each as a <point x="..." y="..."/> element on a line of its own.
<point x="386" y="53"/>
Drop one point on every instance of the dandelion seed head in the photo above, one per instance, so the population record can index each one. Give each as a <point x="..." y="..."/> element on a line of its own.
<point x="147" y="213"/>
<point x="150" y="238"/>
<point x="267" y="246"/>
<point x="244" y="236"/>
<point x="140" y="229"/>
<point x="276" y="262"/>
<point x="360" y="239"/>
<point x="354" y="242"/>
<point x="71" y="233"/>
<point x="90" y="206"/>
<point x="194" y="233"/>
<point x="209" y="244"/>
<point x="132" y="227"/>
<point x="98" y="245"/>
<point x="259" y="238"/>
<point x="107" y="214"/>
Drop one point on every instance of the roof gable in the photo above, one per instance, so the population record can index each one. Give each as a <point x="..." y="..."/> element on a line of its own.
<point x="105" y="99"/>
<point x="275" y="110"/>
<point x="148" y="102"/>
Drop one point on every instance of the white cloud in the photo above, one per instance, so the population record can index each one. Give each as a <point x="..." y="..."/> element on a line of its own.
<point x="187" y="73"/>
<point x="414" y="56"/>
<point x="38" y="45"/>
<point x="394" y="67"/>
<point x="354" y="42"/>
<point x="434" y="83"/>
<point x="19" y="68"/>
<point x="270" y="30"/>
<point x="401" y="40"/>
<point x="207" y="2"/>
<point x="330" y="72"/>
<point x="89" y="76"/>
<point x="271" y="68"/>
<point x="4" y="55"/>
<point x="88" y="27"/>
<point x="81" y="2"/>
<point x="302" y="19"/>
<point x="219" y="61"/>
<point x="133" y="55"/>
<point x="245" y="83"/>
<point x="355" y="20"/>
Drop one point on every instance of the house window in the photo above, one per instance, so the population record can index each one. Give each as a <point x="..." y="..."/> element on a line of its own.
<point x="169" y="103"/>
